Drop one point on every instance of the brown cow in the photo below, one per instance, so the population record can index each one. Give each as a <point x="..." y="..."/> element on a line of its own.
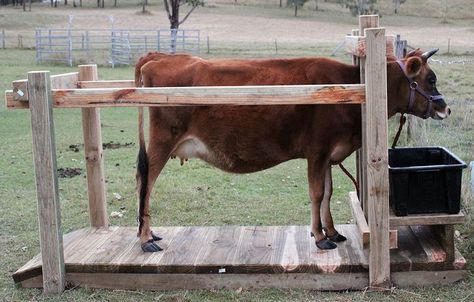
<point x="244" y="139"/>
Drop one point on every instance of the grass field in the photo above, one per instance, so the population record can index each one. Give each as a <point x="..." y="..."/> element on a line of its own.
<point x="197" y="194"/>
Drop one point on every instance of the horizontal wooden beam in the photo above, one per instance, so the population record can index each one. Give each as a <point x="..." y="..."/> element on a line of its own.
<point x="59" y="81"/>
<point x="339" y="281"/>
<point x="427" y="219"/>
<point x="355" y="45"/>
<point x="106" y="84"/>
<point x="328" y="282"/>
<point x="191" y="96"/>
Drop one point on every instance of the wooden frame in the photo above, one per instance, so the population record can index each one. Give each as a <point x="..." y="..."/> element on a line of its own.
<point x="83" y="90"/>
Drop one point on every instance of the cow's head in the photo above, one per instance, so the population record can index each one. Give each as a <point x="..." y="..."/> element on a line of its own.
<point x="417" y="92"/>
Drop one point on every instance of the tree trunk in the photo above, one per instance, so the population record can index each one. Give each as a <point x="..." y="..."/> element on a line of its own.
<point x="296" y="9"/>
<point x="115" y="3"/>
<point x="397" y="5"/>
<point x="316" y="8"/>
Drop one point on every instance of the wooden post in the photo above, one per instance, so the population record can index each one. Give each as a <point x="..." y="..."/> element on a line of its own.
<point x="94" y="156"/>
<point x="376" y="158"/>
<point x="44" y="155"/>
<point x="367" y="21"/>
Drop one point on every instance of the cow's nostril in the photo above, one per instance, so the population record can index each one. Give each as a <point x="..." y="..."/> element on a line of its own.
<point x="449" y="111"/>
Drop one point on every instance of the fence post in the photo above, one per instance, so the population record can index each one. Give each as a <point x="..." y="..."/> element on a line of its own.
<point x="94" y="156"/>
<point x="44" y="155"/>
<point x="371" y="21"/>
<point x="69" y="38"/>
<point x="38" y="45"/>
<point x="376" y="157"/>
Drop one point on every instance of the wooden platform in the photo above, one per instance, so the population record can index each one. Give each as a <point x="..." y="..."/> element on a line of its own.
<point x="235" y="256"/>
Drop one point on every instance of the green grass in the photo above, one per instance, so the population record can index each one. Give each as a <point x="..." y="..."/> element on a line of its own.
<point x="194" y="194"/>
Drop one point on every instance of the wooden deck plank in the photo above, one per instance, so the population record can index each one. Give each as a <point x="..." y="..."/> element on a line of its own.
<point x="238" y="249"/>
<point x="134" y="258"/>
<point x="358" y="255"/>
<point x="291" y="249"/>
<point x="219" y="254"/>
<point x="255" y="249"/>
<point x="85" y="248"/>
<point x="183" y="250"/>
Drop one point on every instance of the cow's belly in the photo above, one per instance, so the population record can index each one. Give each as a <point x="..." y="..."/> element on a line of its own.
<point x="227" y="158"/>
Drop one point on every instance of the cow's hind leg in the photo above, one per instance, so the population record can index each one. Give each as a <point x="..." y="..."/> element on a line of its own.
<point x="156" y="158"/>
<point x="326" y="217"/>
<point x="316" y="180"/>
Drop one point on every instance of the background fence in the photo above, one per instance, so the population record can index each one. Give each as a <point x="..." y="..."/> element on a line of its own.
<point x="112" y="46"/>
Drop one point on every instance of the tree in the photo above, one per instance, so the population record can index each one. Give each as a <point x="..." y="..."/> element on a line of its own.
<point x="396" y="4"/>
<point x="296" y="4"/>
<point x="360" y="7"/>
<point x="172" y="8"/>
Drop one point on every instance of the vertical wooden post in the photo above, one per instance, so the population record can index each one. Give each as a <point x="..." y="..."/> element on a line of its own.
<point x="366" y="21"/>
<point x="44" y="155"/>
<point x="94" y="156"/>
<point x="376" y="158"/>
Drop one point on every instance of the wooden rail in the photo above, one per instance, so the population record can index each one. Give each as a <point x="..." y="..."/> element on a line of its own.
<point x="204" y="95"/>
<point x="59" y="81"/>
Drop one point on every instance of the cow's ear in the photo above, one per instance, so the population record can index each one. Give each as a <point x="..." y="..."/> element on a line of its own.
<point x="413" y="66"/>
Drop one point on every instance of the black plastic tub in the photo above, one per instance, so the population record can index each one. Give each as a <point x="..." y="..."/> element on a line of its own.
<point x="424" y="180"/>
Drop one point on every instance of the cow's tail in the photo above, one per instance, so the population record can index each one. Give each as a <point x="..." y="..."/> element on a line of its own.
<point x="142" y="160"/>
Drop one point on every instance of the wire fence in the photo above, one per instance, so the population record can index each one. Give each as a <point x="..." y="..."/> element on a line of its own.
<point x="112" y="46"/>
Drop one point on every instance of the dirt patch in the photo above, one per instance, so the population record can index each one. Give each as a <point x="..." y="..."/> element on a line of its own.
<point x="113" y="145"/>
<point x="108" y="145"/>
<point x="75" y="147"/>
<point x="69" y="172"/>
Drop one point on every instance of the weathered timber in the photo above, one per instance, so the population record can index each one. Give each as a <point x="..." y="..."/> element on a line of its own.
<point x="427" y="278"/>
<point x="377" y="158"/>
<point x="356" y="45"/>
<point x="94" y="159"/>
<point x="359" y="218"/>
<point x="427" y="219"/>
<point x="59" y="81"/>
<point x="228" y="95"/>
<point x="106" y="84"/>
<point x="279" y="251"/>
<point x="368" y="21"/>
<point x="44" y="156"/>
<point x="362" y="225"/>
<point x="328" y="282"/>
<point x="445" y="236"/>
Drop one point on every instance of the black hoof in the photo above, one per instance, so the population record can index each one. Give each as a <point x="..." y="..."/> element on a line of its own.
<point x="337" y="238"/>
<point x="155" y="237"/>
<point x="312" y="234"/>
<point x="326" y="244"/>
<point x="150" y="247"/>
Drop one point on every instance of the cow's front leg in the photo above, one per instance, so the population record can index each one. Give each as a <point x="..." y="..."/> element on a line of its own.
<point x="316" y="177"/>
<point x="326" y="217"/>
